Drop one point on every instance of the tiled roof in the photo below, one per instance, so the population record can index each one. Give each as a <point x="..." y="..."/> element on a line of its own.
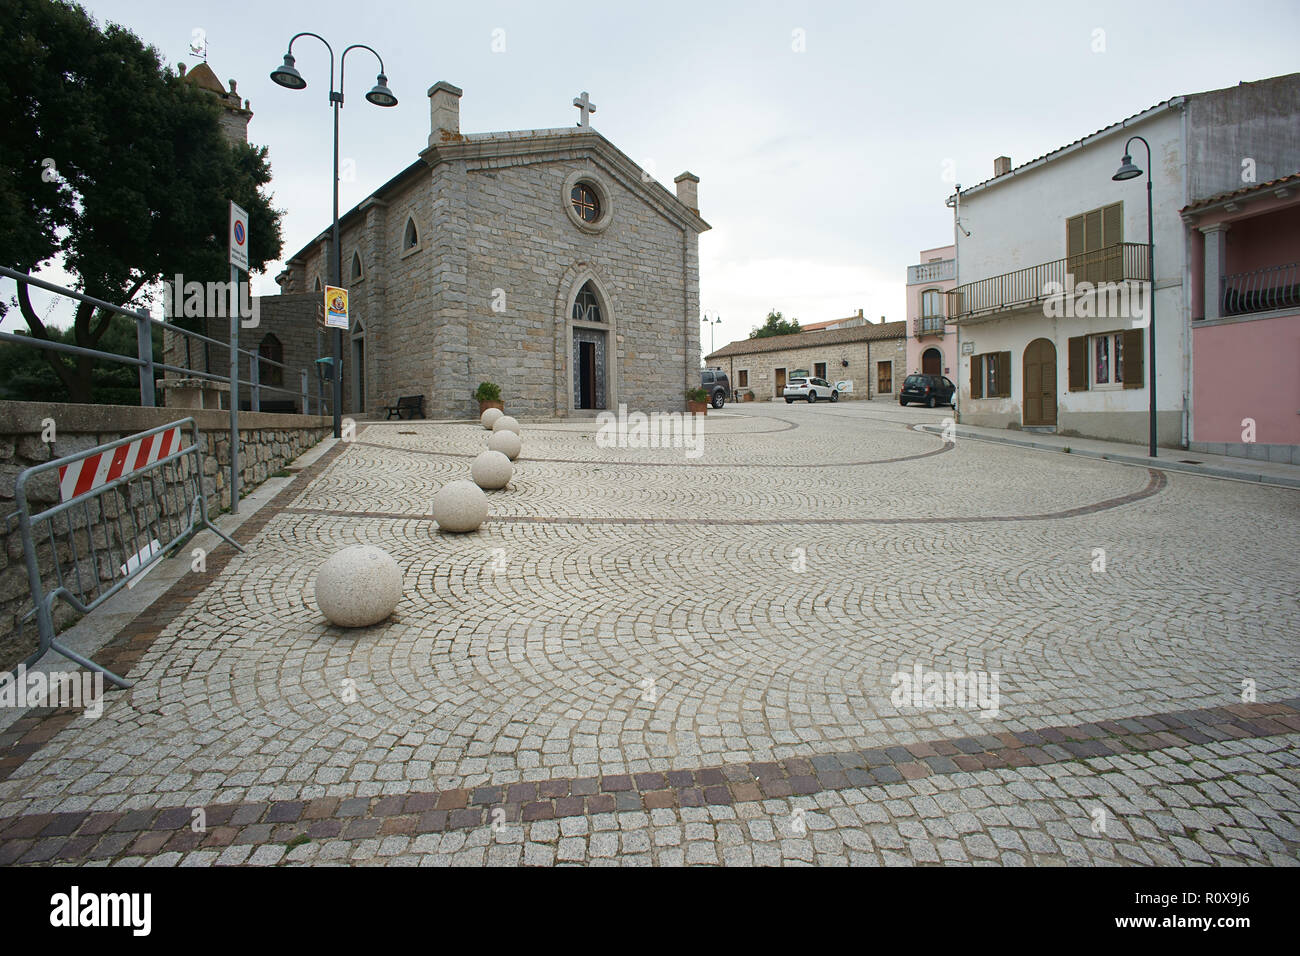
<point x="814" y="339"/>
<point x="1294" y="179"/>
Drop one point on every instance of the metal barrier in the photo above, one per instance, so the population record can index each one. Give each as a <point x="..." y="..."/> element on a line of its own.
<point x="148" y="481"/>
<point x="147" y="367"/>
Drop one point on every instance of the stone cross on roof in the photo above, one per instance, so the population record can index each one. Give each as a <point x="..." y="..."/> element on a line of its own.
<point x="587" y="107"/>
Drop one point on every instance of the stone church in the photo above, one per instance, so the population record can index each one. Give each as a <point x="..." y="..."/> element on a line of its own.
<point x="545" y="261"/>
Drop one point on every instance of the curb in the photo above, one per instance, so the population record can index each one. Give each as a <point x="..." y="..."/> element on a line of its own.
<point x="1208" y="471"/>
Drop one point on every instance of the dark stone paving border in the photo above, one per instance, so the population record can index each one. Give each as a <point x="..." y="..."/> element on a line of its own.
<point x="63" y="837"/>
<point x="947" y="446"/>
<point x="1156" y="483"/>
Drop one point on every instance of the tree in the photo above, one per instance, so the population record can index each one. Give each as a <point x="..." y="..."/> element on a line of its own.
<point x="112" y="162"/>
<point x="776" y="324"/>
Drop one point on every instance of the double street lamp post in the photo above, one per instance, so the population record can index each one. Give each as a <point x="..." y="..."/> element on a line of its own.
<point x="287" y="75"/>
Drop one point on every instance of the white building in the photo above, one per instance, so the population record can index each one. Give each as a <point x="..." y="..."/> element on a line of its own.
<point x="1052" y="302"/>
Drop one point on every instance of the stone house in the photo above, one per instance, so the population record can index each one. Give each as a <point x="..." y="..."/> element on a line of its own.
<point x="871" y="358"/>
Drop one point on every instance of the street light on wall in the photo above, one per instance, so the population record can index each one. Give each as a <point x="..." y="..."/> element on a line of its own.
<point x="287" y="75"/>
<point x="1127" y="170"/>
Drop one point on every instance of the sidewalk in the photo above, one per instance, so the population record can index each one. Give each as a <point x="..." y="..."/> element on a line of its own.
<point x="1170" y="459"/>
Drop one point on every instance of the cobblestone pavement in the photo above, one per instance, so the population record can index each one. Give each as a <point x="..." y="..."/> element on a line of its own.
<point x="648" y="658"/>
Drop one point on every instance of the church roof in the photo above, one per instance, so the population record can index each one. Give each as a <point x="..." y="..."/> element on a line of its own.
<point x="815" y="339"/>
<point x="201" y="75"/>
<point x="505" y="144"/>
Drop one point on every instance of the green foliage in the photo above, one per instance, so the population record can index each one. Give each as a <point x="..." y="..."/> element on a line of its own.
<point x="487" y="392"/>
<point x="775" y="324"/>
<point x="141" y="175"/>
<point x="696" y="395"/>
<point x="25" y="376"/>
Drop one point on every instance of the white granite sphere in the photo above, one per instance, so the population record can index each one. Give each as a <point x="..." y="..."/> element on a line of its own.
<point x="460" y="506"/>
<point x="490" y="416"/>
<point x="508" y="443"/>
<point x="506" y="424"/>
<point x="492" y="469"/>
<point x="358" y="586"/>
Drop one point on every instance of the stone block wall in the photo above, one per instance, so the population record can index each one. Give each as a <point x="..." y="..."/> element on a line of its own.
<point x="268" y="443"/>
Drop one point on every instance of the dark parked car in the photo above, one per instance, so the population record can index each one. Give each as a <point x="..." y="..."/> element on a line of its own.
<point x="930" y="390"/>
<point x="714" y="381"/>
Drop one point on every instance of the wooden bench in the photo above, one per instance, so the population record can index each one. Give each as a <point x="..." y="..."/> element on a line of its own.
<point x="408" y="406"/>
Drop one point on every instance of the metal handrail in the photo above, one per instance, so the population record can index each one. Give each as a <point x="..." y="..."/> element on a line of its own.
<point x="1261" y="290"/>
<point x="1116" y="263"/>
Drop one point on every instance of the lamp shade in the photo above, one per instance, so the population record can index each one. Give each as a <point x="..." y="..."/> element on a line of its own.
<point x="1126" y="169"/>
<point x="287" y="75"/>
<point x="381" y="95"/>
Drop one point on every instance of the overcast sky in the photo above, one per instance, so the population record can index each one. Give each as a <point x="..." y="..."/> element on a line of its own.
<point x="826" y="135"/>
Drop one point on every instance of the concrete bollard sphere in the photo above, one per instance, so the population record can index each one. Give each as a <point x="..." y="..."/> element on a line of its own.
<point x="460" y="506"/>
<point x="491" y="470"/>
<point x="489" y="417"/>
<point x="506" y="424"/>
<point x="358" y="586"/>
<point x="508" y="443"/>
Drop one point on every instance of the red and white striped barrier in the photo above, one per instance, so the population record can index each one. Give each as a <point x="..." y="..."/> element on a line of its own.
<point x="95" y="470"/>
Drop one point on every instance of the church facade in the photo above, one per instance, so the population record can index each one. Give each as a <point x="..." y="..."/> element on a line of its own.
<point x="545" y="261"/>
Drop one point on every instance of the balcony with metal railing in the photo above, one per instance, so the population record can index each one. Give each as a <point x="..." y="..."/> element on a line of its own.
<point x="932" y="271"/>
<point x="1023" y="288"/>
<point x="1261" y="290"/>
<point x="923" y="325"/>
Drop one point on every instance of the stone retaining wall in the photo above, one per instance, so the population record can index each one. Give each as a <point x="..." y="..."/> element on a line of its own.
<point x="268" y="442"/>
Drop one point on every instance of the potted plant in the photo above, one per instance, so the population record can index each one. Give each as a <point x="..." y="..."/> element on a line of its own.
<point x="749" y="396"/>
<point x="489" y="396"/>
<point x="697" y="401"/>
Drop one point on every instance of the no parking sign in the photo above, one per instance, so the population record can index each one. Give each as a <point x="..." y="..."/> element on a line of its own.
<point x="238" y="238"/>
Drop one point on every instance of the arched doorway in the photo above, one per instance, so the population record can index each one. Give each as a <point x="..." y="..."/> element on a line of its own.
<point x="1039" y="401"/>
<point x="590" y="358"/>
<point x="932" y="362"/>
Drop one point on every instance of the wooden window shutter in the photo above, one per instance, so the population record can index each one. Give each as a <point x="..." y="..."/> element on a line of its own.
<point x="1073" y="239"/>
<point x="976" y="376"/>
<point x="1078" y="351"/>
<point x="1112" y="229"/>
<point x="1112" y="225"/>
<point x="1004" y="374"/>
<point x="1134" y="370"/>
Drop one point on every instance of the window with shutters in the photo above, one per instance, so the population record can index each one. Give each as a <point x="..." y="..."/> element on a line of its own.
<point x="1105" y="361"/>
<point x="742" y="378"/>
<point x="1093" y="244"/>
<point x="990" y="375"/>
<point x="819" y="369"/>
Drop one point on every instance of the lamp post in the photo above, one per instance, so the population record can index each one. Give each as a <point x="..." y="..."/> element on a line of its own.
<point x="711" y="323"/>
<point x="1128" y="171"/>
<point x="287" y="75"/>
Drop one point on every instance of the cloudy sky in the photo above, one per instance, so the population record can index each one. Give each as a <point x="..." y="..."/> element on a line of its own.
<point x="826" y="135"/>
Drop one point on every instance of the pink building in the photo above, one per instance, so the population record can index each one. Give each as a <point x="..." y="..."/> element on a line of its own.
<point x="931" y="341"/>
<point x="1244" y="261"/>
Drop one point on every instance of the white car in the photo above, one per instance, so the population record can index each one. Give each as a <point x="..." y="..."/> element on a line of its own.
<point x="810" y="389"/>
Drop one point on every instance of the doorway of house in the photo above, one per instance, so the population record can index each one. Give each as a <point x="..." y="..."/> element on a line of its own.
<point x="780" y="382"/>
<point x="884" y="378"/>
<point x="1040" y="383"/>
<point x="932" y="362"/>
<point x="587" y="374"/>
<point x="359" y="372"/>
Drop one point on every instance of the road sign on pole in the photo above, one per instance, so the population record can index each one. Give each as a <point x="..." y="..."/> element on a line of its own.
<point x="238" y="238"/>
